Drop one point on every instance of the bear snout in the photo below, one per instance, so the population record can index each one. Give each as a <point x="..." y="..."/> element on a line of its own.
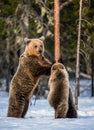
<point x="40" y="51"/>
<point x="59" y="74"/>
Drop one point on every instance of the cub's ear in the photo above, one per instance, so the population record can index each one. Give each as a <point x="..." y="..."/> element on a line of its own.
<point x="26" y="40"/>
<point x="42" y="38"/>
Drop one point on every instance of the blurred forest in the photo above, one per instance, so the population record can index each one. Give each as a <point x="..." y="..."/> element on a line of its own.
<point x="34" y="18"/>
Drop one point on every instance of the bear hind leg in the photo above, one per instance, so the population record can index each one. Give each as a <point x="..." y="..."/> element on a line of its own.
<point x="61" y="111"/>
<point x="25" y="108"/>
<point x="72" y="112"/>
<point x="15" y="111"/>
<point x="15" y="107"/>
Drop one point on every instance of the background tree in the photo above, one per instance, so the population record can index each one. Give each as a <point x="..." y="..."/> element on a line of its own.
<point x="56" y="31"/>
<point x="78" y="56"/>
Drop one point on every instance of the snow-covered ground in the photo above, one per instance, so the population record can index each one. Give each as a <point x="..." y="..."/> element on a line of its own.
<point x="41" y="116"/>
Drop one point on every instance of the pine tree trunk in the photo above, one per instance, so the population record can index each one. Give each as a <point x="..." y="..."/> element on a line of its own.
<point x="92" y="75"/>
<point x="78" y="58"/>
<point x="25" y="18"/>
<point x="56" y="30"/>
<point x="23" y="9"/>
<point x="8" y="62"/>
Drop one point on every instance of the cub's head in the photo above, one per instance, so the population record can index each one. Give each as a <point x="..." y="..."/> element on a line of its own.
<point x="58" y="70"/>
<point x="34" y="46"/>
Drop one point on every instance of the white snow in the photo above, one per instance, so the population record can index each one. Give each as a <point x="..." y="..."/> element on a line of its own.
<point x="41" y="116"/>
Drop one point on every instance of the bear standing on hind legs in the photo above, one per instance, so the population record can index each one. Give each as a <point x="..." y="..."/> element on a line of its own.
<point x="72" y="112"/>
<point x="60" y="96"/>
<point x="32" y="65"/>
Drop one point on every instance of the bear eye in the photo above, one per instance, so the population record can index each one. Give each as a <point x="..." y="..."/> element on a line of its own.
<point x="35" y="46"/>
<point x="61" y="67"/>
<point x="41" y="46"/>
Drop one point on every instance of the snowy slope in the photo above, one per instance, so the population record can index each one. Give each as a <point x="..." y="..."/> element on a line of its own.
<point x="41" y="117"/>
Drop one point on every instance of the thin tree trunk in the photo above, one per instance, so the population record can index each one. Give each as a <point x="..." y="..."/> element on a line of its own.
<point x="56" y="30"/>
<point x="25" y="18"/>
<point x="78" y="57"/>
<point x="92" y="75"/>
<point x="7" y="59"/>
<point x="24" y="9"/>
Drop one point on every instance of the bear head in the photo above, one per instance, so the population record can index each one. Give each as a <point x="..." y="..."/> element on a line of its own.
<point x="34" y="46"/>
<point x="58" y="70"/>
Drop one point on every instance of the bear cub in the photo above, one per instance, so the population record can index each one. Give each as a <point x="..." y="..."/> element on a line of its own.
<point x="60" y="96"/>
<point x="32" y="65"/>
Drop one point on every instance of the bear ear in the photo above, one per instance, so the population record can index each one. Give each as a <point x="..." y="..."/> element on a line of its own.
<point x="26" y="40"/>
<point x="42" y="38"/>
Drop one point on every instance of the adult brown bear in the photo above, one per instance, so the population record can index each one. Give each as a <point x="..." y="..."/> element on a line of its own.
<point x="32" y="65"/>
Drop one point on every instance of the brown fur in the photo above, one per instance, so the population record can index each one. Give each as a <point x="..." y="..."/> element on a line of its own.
<point x="59" y="90"/>
<point x="72" y="113"/>
<point x="60" y="95"/>
<point x="32" y="65"/>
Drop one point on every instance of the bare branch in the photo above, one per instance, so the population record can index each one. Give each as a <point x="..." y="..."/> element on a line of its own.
<point x="65" y="4"/>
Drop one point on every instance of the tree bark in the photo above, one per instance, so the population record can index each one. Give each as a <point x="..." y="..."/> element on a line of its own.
<point x="8" y="62"/>
<point x="25" y="18"/>
<point x="56" y="30"/>
<point x="92" y="75"/>
<point x="23" y="12"/>
<point x="78" y="57"/>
